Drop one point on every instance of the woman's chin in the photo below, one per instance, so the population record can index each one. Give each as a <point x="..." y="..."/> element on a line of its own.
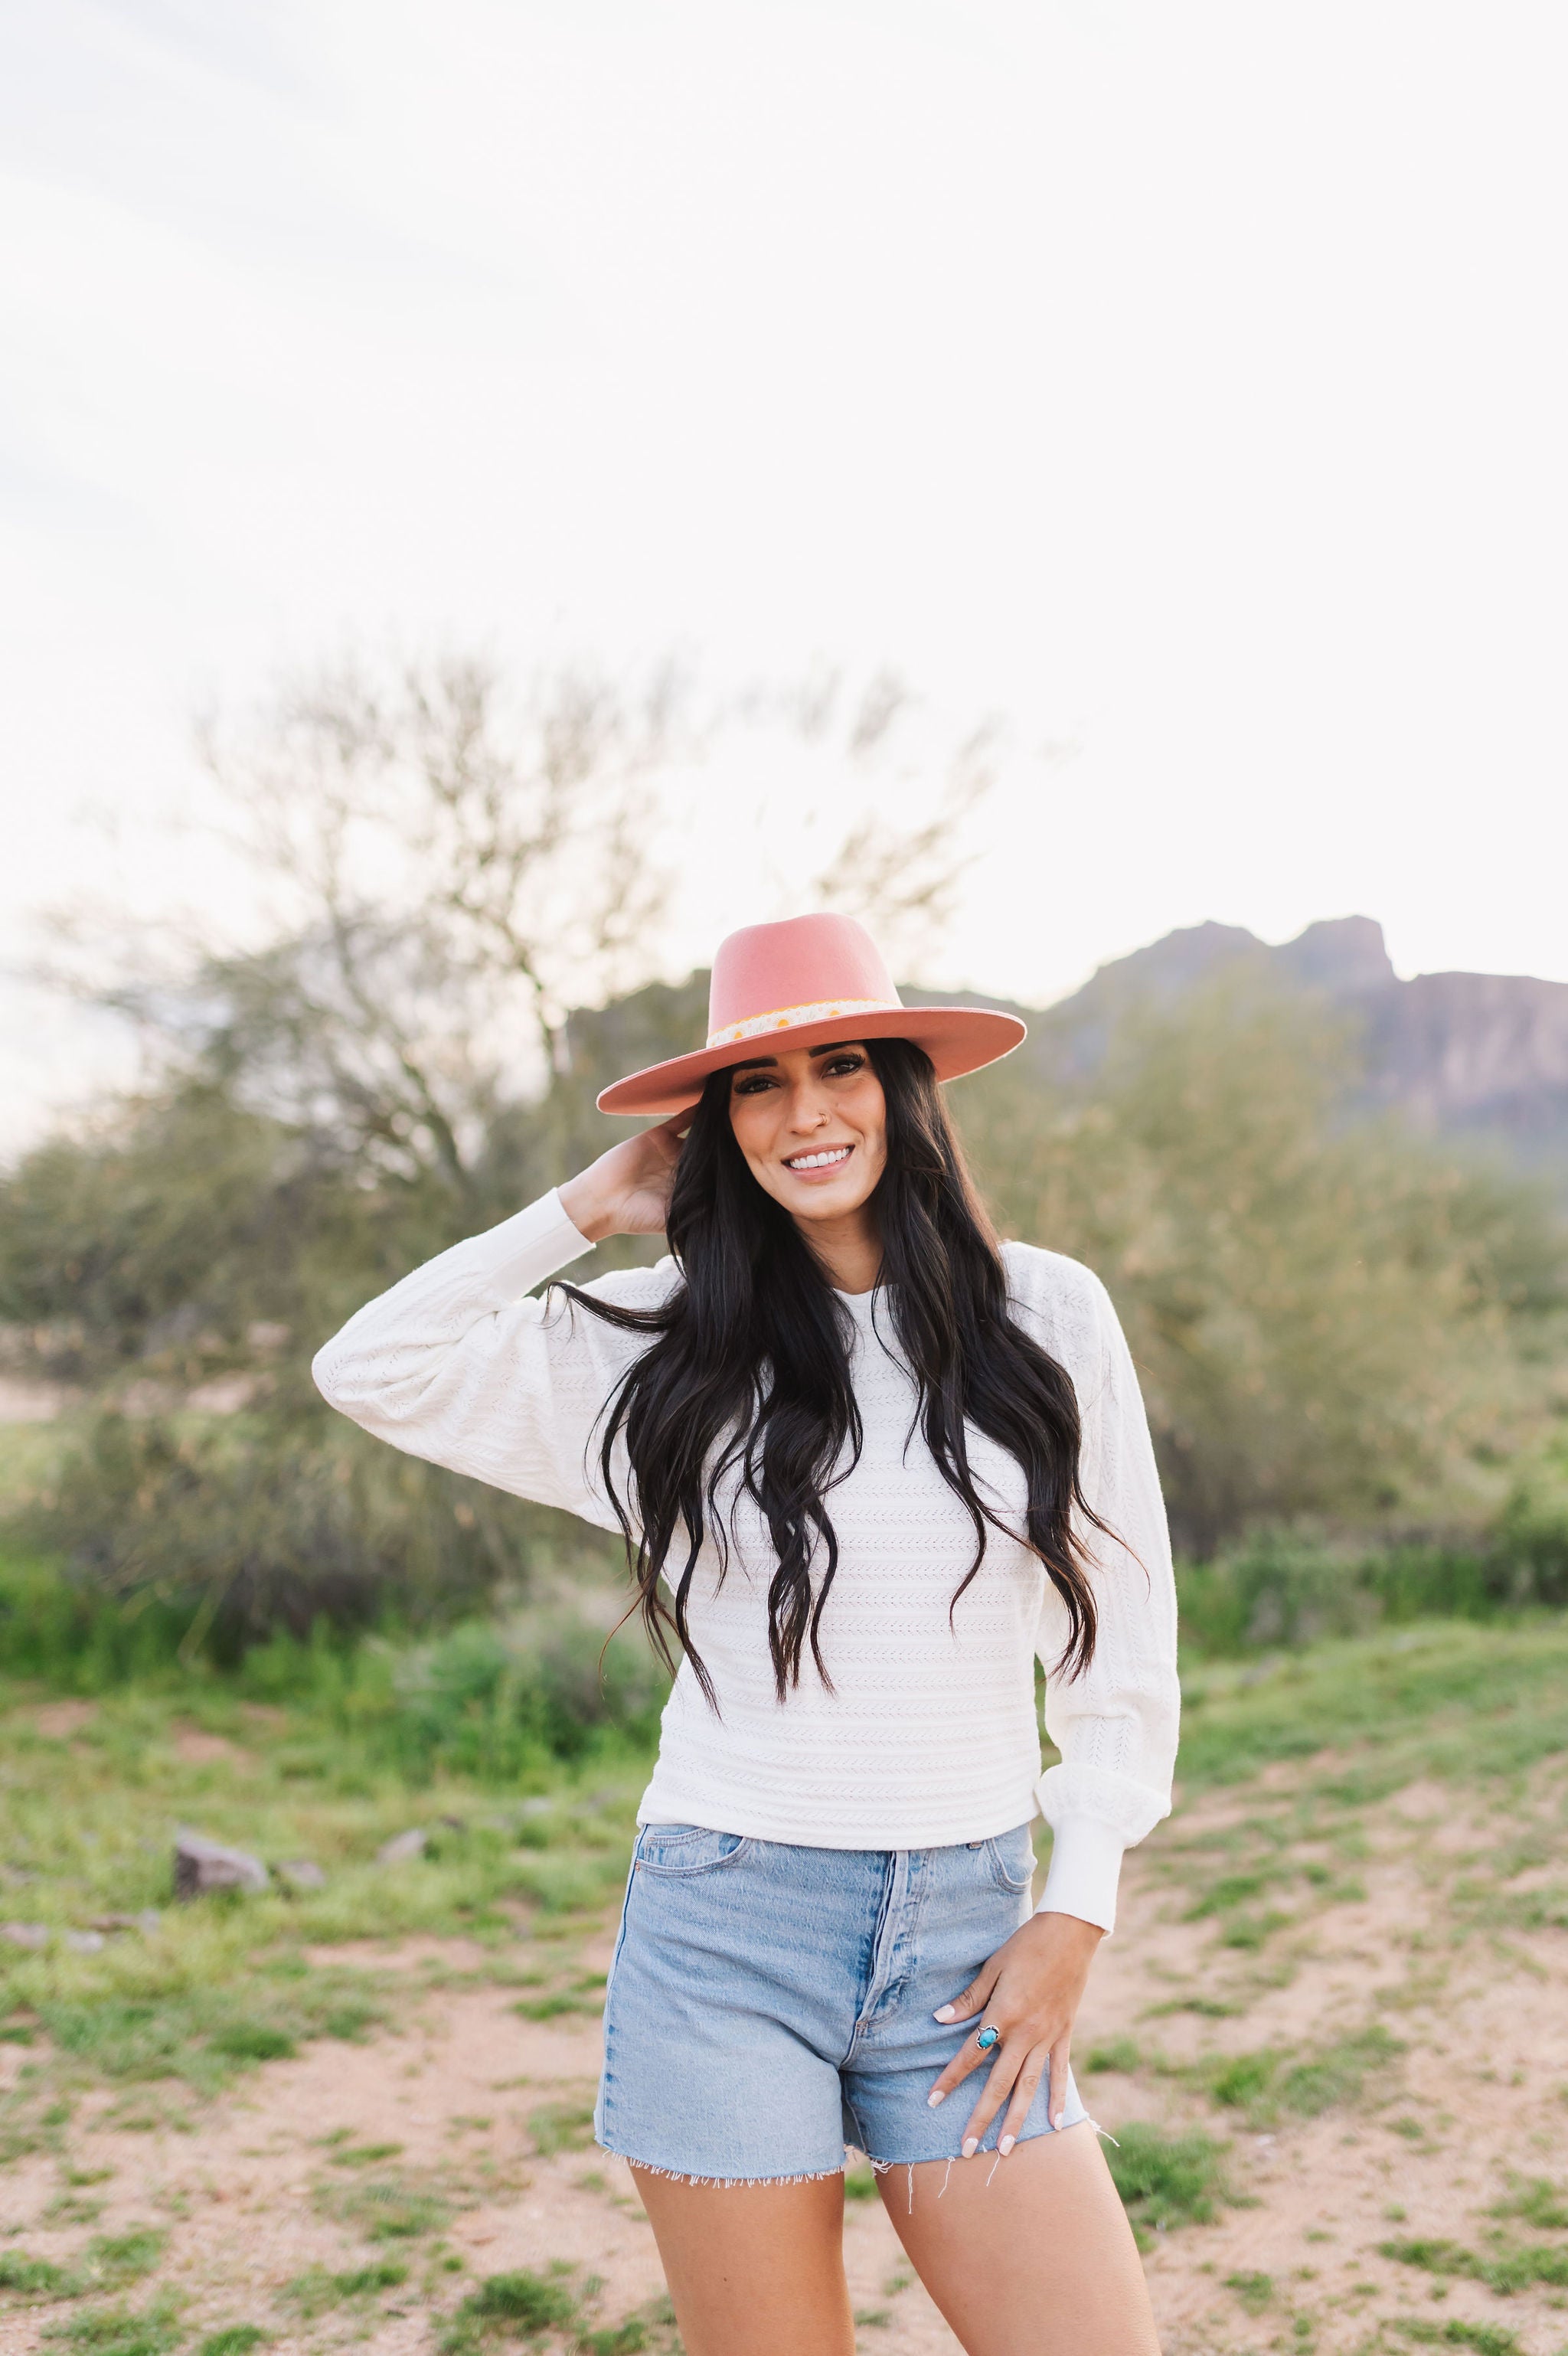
<point x="825" y="1202"/>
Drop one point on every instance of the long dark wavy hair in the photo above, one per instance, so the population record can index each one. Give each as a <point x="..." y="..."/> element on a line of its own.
<point x="747" y="1372"/>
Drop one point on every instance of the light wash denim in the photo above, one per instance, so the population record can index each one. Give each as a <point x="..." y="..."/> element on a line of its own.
<point x="769" y="2004"/>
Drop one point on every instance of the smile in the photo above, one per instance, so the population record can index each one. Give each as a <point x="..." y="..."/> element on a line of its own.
<point x="828" y="1159"/>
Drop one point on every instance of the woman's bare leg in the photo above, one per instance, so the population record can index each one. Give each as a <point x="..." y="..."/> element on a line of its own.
<point x="1031" y="2256"/>
<point x="754" y="2269"/>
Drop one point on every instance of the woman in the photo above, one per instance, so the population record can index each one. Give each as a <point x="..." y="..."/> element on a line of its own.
<point x="868" y="1464"/>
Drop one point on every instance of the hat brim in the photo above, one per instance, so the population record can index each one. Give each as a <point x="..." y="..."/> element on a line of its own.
<point x="958" y="1039"/>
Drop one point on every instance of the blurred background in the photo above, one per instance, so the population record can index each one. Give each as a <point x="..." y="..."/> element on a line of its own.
<point x="501" y="495"/>
<point x="498" y="497"/>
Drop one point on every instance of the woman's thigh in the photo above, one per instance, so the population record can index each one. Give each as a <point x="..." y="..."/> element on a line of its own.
<point x="1031" y="2256"/>
<point x="754" y="2269"/>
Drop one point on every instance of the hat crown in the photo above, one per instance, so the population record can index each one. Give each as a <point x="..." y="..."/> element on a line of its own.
<point x="803" y="962"/>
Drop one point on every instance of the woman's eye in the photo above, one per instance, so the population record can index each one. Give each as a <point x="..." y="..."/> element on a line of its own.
<point x="839" y="1066"/>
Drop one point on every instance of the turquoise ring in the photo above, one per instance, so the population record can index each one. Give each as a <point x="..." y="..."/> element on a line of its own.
<point x="986" y="2039"/>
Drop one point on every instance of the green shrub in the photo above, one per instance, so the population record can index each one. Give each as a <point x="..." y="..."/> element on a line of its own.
<point x="1281" y="1591"/>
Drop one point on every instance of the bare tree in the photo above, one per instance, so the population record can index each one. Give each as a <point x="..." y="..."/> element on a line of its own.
<point x="904" y="880"/>
<point x="445" y="872"/>
<point x="446" y="869"/>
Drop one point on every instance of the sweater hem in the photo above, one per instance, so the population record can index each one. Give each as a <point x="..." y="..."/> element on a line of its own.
<point x="659" y="1805"/>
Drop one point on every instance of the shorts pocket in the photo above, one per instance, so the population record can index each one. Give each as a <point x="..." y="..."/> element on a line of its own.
<point x="679" y="1850"/>
<point x="1011" y="1858"/>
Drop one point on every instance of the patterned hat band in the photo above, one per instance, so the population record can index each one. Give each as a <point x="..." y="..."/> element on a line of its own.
<point x="817" y="978"/>
<point x="791" y="1018"/>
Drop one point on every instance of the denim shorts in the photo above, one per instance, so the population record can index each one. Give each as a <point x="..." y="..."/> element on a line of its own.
<point x="770" y="2003"/>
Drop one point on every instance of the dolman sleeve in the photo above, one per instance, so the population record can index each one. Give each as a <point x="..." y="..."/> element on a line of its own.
<point x="1115" y="1724"/>
<point x="458" y="1364"/>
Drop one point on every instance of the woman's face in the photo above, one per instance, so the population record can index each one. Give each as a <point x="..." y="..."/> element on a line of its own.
<point x="812" y="1123"/>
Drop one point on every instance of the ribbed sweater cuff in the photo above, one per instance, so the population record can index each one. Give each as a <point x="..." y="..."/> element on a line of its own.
<point x="529" y="1247"/>
<point x="1086" y="1866"/>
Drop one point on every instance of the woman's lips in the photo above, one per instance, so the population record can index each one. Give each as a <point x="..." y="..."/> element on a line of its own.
<point x="813" y="1170"/>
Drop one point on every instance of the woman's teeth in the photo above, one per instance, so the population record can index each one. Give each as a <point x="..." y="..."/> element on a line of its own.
<point x="818" y="1161"/>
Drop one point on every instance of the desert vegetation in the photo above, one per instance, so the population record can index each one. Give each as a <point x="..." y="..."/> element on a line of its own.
<point x="347" y="2098"/>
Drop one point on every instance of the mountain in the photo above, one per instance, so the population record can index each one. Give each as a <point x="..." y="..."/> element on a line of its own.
<point x="1483" y="1056"/>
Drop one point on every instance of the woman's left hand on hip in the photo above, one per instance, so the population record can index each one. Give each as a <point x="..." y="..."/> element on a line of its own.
<point x="1028" y="1994"/>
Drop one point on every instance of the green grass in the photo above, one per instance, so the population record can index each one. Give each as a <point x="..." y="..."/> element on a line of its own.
<point x="1505" y="2269"/>
<point x="561" y="2126"/>
<point x="1278" y="2079"/>
<point x="388" y="2209"/>
<point x="330" y="1759"/>
<point x="526" y="2305"/>
<point x="328" y="1771"/>
<point x="116" y="2331"/>
<point x="1443" y="1697"/>
<point x="1491" y="2339"/>
<point x="1115" y="2053"/>
<point x="1166" y="2180"/>
<point x="318" y="2289"/>
<point x="35" y="2277"/>
<point x="110" y="2262"/>
<point x="1537" y="2201"/>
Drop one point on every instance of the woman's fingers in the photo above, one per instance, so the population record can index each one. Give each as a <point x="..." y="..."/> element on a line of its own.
<point x="971" y="2054"/>
<point x="973" y="1999"/>
<point x="1060" y="2061"/>
<point x="1025" y="2088"/>
<point x="673" y="1130"/>
<point x="1004" y="2076"/>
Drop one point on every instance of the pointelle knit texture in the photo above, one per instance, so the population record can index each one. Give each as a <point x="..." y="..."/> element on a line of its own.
<point x="929" y="1734"/>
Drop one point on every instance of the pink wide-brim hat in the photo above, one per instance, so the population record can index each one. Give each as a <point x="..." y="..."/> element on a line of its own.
<point x="799" y="985"/>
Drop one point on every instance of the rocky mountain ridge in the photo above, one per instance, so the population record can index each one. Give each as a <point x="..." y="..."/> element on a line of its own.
<point x="1477" y="1054"/>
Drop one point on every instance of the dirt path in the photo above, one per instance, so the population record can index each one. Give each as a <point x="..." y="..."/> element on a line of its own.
<point x="1366" y="2002"/>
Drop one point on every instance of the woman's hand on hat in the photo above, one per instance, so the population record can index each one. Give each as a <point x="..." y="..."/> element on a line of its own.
<point x="626" y="1192"/>
<point x="1022" y="2006"/>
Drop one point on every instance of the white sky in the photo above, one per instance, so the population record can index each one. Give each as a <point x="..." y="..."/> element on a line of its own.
<point x="1187" y="383"/>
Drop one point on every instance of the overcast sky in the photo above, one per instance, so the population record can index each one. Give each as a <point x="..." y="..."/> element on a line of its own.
<point x="1185" y="382"/>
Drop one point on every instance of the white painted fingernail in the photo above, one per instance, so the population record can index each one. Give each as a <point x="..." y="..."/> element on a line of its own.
<point x="946" y="2012"/>
<point x="971" y="2146"/>
<point x="1056" y="2121"/>
<point x="932" y="2100"/>
<point x="1006" y="2145"/>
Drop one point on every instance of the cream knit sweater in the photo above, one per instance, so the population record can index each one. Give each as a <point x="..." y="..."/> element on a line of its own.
<point x="929" y="1735"/>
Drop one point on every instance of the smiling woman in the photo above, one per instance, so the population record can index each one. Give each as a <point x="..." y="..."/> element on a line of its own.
<point x="812" y="1123"/>
<point x="869" y="1464"/>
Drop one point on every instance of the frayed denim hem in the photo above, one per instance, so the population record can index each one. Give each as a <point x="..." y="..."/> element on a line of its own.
<point x="822" y="2174"/>
<point x="722" y="2183"/>
<point x="886" y="2167"/>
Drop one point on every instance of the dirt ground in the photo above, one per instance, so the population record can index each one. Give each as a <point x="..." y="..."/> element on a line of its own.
<point x="1449" y="1934"/>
